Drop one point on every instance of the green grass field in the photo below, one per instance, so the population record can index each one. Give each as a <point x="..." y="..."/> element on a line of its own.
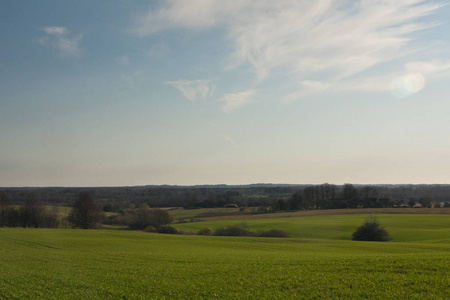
<point x="320" y="262"/>
<point x="401" y="227"/>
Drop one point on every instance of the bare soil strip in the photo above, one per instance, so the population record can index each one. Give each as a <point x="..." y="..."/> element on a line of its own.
<point x="307" y="213"/>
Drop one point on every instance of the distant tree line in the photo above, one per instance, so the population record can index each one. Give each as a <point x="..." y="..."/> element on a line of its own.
<point x="35" y="207"/>
<point x="328" y="196"/>
<point x="115" y="199"/>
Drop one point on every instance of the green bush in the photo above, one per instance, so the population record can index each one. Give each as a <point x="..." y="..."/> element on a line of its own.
<point x="143" y="217"/>
<point x="166" y="229"/>
<point x="235" y="230"/>
<point x="371" y="231"/>
<point x="150" y="229"/>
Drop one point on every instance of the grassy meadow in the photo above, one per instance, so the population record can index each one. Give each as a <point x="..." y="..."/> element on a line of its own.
<point x="401" y="227"/>
<point x="319" y="261"/>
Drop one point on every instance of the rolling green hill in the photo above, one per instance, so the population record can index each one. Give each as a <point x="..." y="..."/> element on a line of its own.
<point x="100" y="264"/>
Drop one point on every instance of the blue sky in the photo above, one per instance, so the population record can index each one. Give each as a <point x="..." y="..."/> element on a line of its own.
<point x="235" y="92"/>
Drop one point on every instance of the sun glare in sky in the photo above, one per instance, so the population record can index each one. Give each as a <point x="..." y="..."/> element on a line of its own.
<point x="408" y="84"/>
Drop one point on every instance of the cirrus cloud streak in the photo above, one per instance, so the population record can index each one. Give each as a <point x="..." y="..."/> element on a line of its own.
<point x="341" y="38"/>
<point x="61" y="41"/>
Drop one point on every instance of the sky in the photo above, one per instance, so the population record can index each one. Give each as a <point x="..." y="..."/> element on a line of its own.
<point x="125" y="93"/>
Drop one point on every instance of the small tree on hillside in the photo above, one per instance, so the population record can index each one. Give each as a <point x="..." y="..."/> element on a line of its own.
<point x="371" y="231"/>
<point x="144" y="216"/>
<point x="85" y="214"/>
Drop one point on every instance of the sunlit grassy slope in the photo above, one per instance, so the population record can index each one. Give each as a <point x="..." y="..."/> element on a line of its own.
<point x="100" y="264"/>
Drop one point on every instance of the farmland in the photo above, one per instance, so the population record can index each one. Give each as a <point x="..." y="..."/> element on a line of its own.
<point x="402" y="227"/>
<point x="319" y="261"/>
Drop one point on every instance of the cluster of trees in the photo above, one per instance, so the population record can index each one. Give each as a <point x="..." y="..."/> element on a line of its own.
<point x="31" y="214"/>
<point x="328" y="196"/>
<point x="141" y="218"/>
<point x="85" y="214"/>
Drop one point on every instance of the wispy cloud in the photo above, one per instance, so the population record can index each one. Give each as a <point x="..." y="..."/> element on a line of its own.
<point x="194" y="90"/>
<point x="237" y="100"/>
<point x="61" y="40"/>
<point x="53" y="30"/>
<point x="327" y="39"/>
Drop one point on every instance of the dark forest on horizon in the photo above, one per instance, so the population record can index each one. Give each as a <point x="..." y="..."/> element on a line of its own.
<point x="276" y="196"/>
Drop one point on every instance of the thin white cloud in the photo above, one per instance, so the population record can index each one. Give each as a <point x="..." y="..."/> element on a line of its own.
<point x="344" y="37"/>
<point x="237" y="100"/>
<point x="327" y="39"/>
<point x="53" y="30"/>
<point x="194" y="90"/>
<point x="61" y="40"/>
<point x="193" y="14"/>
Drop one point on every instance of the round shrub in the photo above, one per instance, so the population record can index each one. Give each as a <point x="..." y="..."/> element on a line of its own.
<point x="371" y="231"/>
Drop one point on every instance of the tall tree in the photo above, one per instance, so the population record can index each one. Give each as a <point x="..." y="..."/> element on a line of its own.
<point x="30" y="214"/>
<point x="85" y="214"/>
<point x="351" y="195"/>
